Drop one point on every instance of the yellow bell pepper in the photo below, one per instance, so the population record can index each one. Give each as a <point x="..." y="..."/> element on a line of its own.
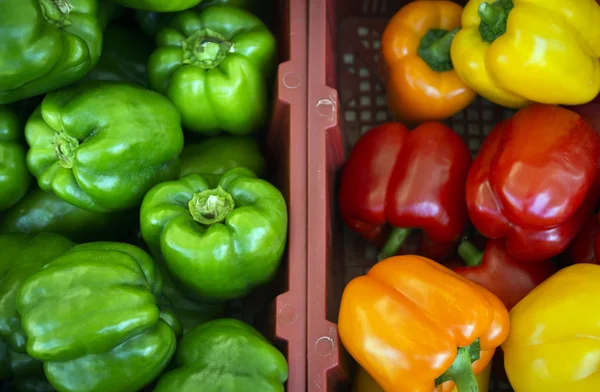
<point x="554" y="341"/>
<point x="365" y="383"/>
<point x="513" y="52"/>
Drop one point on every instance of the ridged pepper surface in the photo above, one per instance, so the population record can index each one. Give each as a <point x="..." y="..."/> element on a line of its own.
<point x="102" y="145"/>
<point x="46" y="45"/>
<point x="219" y="239"/>
<point x="214" y="65"/>
<point x="225" y="355"/>
<point x="91" y="316"/>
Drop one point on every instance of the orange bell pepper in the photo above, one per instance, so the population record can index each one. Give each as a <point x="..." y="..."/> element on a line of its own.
<point x="415" y="325"/>
<point x="421" y="82"/>
<point x="363" y="382"/>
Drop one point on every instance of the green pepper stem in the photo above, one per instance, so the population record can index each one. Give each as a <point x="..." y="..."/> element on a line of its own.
<point x="211" y="206"/>
<point x="470" y="254"/>
<point x="394" y="243"/>
<point x="205" y="49"/>
<point x="65" y="146"/>
<point x="56" y="12"/>
<point x="434" y="49"/>
<point x="493" y="19"/>
<point x="461" y="370"/>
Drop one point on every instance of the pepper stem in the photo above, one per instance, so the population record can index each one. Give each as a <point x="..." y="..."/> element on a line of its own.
<point x="56" y="12"/>
<point x="65" y="147"/>
<point x="470" y="254"/>
<point x="211" y="206"/>
<point x="493" y="19"/>
<point x="394" y="243"/>
<point x="205" y="49"/>
<point x="434" y="49"/>
<point x="461" y="370"/>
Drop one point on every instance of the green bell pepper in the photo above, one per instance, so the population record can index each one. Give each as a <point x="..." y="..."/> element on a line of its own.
<point x="14" y="176"/>
<point x="124" y="57"/>
<point x="215" y="155"/>
<point x="214" y="66"/>
<point x="225" y="355"/>
<point x="159" y="5"/>
<point x="151" y="22"/>
<point x="41" y="211"/>
<point x="218" y="154"/>
<point x="91" y="317"/>
<point x="27" y="373"/>
<point x="46" y="44"/>
<point x="219" y="240"/>
<point x="102" y="145"/>
<point x="21" y="256"/>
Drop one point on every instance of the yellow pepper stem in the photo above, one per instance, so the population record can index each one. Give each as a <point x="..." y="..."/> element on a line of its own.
<point x="434" y="49"/>
<point x="461" y="370"/>
<point x="493" y="19"/>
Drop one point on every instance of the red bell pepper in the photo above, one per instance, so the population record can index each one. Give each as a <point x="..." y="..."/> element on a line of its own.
<point x="405" y="180"/>
<point x="499" y="272"/>
<point x="585" y="248"/>
<point x="535" y="181"/>
<point x="590" y="112"/>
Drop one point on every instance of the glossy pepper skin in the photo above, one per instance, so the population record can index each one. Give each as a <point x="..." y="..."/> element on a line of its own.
<point x="406" y="179"/>
<point x="535" y="181"/>
<point x="431" y="325"/>
<point x="124" y="57"/>
<point x="214" y="66"/>
<point x="111" y="289"/>
<point x="221" y="239"/>
<point x="365" y="383"/>
<point x="48" y="44"/>
<point x="151" y="22"/>
<point x="421" y="82"/>
<point x="159" y="5"/>
<point x="557" y="326"/>
<point x="41" y="211"/>
<point x="95" y="144"/>
<point x="225" y="355"/>
<point x="513" y="52"/>
<point x="585" y="248"/>
<point x="219" y="154"/>
<point x="14" y="176"/>
<point x="499" y="272"/>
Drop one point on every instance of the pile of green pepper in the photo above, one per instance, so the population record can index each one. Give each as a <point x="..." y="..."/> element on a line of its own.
<point x="133" y="200"/>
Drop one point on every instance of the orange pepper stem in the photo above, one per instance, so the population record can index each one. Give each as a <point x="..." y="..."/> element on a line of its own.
<point x="394" y="243"/>
<point x="470" y="254"/>
<point x="461" y="370"/>
<point x="493" y="19"/>
<point x="434" y="49"/>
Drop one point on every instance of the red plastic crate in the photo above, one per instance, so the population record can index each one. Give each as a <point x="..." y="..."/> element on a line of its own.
<point x="346" y="97"/>
<point x="286" y="157"/>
